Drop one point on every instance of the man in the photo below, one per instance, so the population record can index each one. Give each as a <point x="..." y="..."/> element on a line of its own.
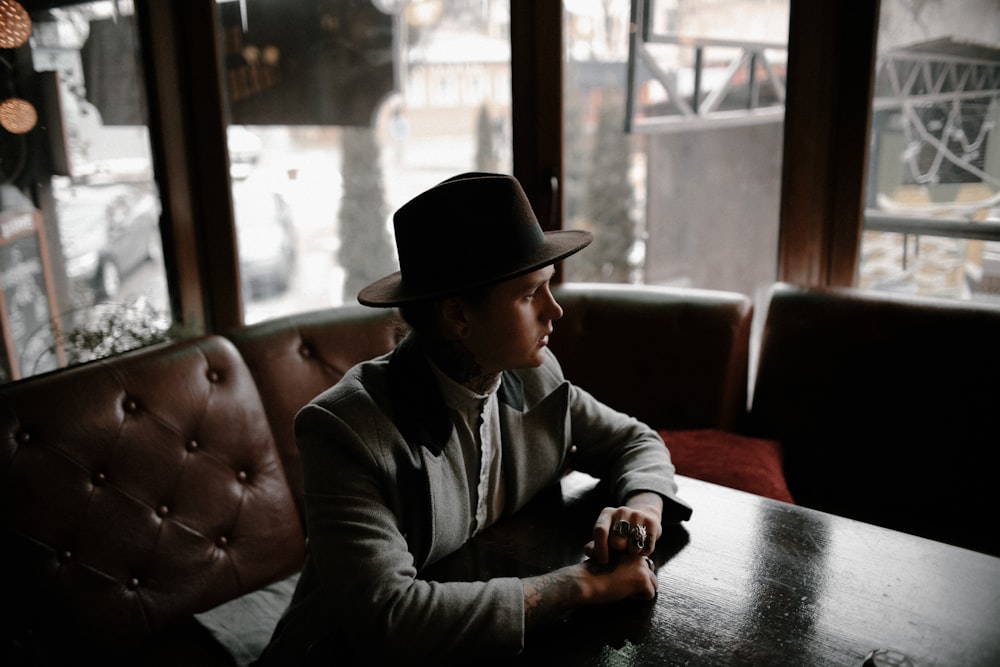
<point x="411" y="454"/>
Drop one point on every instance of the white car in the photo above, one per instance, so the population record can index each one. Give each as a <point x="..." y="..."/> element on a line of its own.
<point x="106" y="232"/>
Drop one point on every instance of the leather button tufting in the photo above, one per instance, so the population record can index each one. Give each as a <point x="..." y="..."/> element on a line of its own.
<point x="132" y="584"/>
<point x="213" y="376"/>
<point x="130" y="406"/>
<point x="191" y="445"/>
<point x="99" y="478"/>
<point x="162" y="511"/>
<point x="222" y="542"/>
<point x="306" y="351"/>
<point x="23" y="437"/>
<point x="242" y="475"/>
<point x="65" y="556"/>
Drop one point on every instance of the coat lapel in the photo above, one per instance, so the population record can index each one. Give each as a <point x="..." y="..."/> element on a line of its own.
<point x="533" y="438"/>
<point x="422" y="418"/>
<point x="533" y="449"/>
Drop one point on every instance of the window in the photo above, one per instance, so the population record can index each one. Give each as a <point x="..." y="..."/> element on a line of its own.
<point x="673" y="140"/>
<point x="81" y="264"/>
<point x="360" y="107"/>
<point x="693" y="99"/>
<point x="932" y="210"/>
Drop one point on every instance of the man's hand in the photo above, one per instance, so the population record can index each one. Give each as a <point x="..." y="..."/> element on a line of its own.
<point x="617" y="529"/>
<point x="547" y="597"/>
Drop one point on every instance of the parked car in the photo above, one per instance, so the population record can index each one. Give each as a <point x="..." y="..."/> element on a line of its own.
<point x="266" y="240"/>
<point x="106" y="233"/>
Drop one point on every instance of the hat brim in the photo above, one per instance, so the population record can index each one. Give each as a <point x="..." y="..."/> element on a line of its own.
<point x="391" y="291"/>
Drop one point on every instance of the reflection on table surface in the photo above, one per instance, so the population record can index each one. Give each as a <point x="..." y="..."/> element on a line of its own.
<point x="752" y="581"/>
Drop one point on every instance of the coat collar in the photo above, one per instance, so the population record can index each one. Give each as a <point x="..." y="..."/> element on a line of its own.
<point x="418" y="406"/>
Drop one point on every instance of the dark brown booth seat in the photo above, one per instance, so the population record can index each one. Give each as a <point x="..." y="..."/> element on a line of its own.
<point x="294" y="358"/>
<point x="888" y="407"/>
<point x="136" y="492"/>
<point x="677" y="359"/>
<point x="152" y="497"/>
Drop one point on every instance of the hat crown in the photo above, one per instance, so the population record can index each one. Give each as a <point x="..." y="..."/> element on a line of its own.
<point x="472" y="230"/>
<point x="477" y="226"/>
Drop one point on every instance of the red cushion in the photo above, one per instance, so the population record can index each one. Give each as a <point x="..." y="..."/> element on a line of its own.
<point x="730" y="459"/>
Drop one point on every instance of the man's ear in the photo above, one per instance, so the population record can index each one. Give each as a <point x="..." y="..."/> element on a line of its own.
<point x="454" y="318"/>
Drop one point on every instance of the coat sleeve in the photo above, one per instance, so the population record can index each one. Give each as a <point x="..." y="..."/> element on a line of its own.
<point x="619" y="449"/>
<point x="368" y="575"/>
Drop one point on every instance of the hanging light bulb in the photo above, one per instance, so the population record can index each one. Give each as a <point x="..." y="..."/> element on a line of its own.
<point x="15" y="24"/>
<point x="17" y="116"/>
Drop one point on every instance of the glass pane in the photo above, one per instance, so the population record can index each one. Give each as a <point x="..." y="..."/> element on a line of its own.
<point x="932" y="209"/>
<point x="341" y="112"/>
<point x="80" y="253"/>
<point x="674" y="159"/>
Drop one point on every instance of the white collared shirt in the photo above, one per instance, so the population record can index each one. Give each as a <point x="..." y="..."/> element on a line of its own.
<point x="476" y="419"/>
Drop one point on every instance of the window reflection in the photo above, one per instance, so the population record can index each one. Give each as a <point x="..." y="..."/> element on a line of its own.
<point x="80" y="207"/>
<point x="932" y="218"/>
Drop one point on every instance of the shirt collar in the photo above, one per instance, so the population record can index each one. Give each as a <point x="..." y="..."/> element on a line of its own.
<point x="418" y="404"/>
<point x="459" y="397"/>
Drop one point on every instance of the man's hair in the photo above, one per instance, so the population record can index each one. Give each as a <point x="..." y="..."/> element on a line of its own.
<point x="421" y="315"/>
<point x="418" y="315"/>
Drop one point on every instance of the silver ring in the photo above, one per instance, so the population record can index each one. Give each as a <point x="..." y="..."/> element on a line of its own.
<point x="620" y="529"/>
<point x="639" y="537"/>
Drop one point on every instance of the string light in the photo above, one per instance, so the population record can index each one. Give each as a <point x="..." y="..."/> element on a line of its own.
<point x="15" y="24"/>
<point x="17" y="116"/>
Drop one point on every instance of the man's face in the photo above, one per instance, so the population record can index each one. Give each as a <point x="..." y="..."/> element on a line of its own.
<point x="512" y="326"/>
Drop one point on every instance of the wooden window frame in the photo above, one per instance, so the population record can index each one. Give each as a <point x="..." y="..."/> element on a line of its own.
<point x="831" y="54"/>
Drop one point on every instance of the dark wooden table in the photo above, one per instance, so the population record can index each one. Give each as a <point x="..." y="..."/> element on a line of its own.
<point x="752" y="581"/>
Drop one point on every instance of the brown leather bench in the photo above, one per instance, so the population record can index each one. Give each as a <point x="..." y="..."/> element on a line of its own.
<point x="888" y="407"/>
<point x="150" y="503"/>
<point x="677" y="359"/>
<point x="136" y="492"/>
<point x="294" y="358"/>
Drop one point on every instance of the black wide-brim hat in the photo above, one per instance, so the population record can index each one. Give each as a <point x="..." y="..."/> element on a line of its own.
<point x="470" y="231"/>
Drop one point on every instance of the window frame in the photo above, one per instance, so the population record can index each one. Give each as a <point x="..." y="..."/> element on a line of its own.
<point x="831" y="54"/>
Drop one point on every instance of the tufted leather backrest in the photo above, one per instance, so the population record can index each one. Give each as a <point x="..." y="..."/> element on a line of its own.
<point x="676" y="358"/>
<point x="887" y="407"/>
<point x="294" y="358"/>
<point x="139" y="490"/>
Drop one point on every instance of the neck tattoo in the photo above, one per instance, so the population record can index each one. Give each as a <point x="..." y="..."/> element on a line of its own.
<point x="458" y="363"/>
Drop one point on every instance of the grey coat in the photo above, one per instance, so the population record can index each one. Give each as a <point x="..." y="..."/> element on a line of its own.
<point x="386" y="496"/>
